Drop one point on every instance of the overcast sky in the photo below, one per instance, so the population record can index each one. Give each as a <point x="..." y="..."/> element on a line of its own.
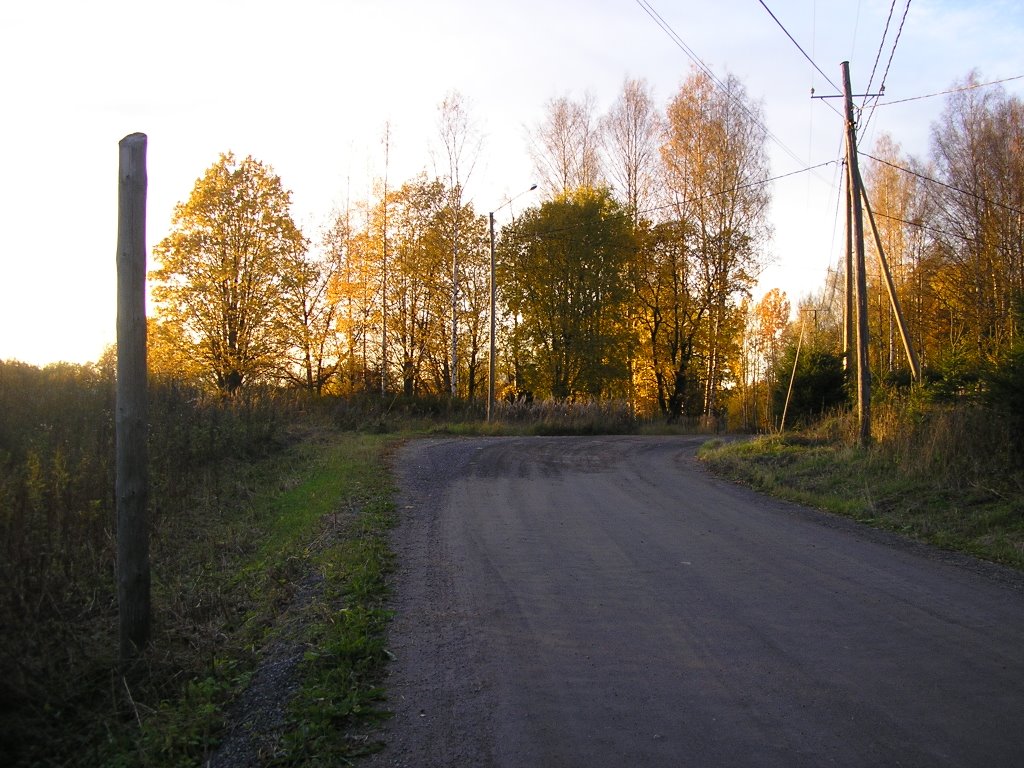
<point x="307" y="87"/>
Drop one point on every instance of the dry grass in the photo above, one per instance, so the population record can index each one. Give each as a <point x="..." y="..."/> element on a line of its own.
<point x="947" y="475"/>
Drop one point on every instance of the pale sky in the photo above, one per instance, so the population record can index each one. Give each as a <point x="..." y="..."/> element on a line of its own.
<point x="306" y="86"/>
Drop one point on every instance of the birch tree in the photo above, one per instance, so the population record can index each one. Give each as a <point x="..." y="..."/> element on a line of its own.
<point x="630" y="137"/>
<point x="462" y="142"/>
<point x="565" y="147"/>
<point x="716" y="166"/>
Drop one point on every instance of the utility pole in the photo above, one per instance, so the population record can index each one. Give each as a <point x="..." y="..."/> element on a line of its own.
<point x="860" y="272"/>
<point x="848" y="310"/>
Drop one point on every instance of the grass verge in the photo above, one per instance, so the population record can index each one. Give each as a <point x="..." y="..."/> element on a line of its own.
<point x="982" y="516"/>
<point x="344" y="630"/>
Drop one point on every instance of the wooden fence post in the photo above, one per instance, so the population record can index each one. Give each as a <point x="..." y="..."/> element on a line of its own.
<point x="132" y="483"/>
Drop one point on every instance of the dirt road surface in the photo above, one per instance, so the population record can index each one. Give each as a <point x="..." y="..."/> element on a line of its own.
<point x="605" y="602"/>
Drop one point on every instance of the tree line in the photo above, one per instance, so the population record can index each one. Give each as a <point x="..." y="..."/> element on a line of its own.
<point x="630" y="279"/>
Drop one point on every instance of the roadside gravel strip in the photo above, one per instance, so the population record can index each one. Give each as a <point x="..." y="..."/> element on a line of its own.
<point x="605" y="602"/>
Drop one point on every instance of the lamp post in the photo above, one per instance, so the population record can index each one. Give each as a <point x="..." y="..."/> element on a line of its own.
<point x="491" y="357"/>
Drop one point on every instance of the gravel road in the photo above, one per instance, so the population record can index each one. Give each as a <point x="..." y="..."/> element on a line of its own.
<point x="605" y="602"/>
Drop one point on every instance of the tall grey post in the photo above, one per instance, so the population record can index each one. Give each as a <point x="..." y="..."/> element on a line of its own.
<point x="132" y="480"/>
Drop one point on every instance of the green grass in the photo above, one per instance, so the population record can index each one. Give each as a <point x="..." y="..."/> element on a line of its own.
<point x="981" y="514"/>
<point x="339" y="702"/>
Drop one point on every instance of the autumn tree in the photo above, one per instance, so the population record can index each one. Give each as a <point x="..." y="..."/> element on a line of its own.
<point x="716" y="167"/>
<point x="349" y="294"/>
<point x="416" y="283"/>
<point x="562" y="275"/>
<point x="565" y="146"/>
<point x="462" y="142"/>
<point x="669" y="311"/>
<point x="222" y="268"/>
<point x="310" y="356"/>
<point x="168" y="355"/>
<point x="900" y="206"/>
<point x="977" y="149"/>
<point x="630" y="136"/>
<point x="473" y="297"/>
<point x="768" y="325"/>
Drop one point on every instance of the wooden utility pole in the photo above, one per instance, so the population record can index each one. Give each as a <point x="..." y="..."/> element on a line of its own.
<point x="849" y="362"/>
<point x="132" y="481"/>
<point x="860" y="282"/>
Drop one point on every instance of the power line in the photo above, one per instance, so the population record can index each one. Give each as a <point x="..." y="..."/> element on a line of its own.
<point x="667" y="28"/>
<point x="878" y="55"/>
<point x="739" y="187"/>
<point x="896" y="42"/>
<point x="835" y="229"/>
<point x="951" y="90"/>
<point x="799" y="47"/>
<point x="925" y="227"/>
<point x="679" y="203"/>
<point x="699" y="63"/>
<point x="892" y="52"/>
<point x="975" y="195"/>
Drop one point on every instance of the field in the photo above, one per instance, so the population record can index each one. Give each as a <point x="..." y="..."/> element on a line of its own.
<point x="270" y="514"/>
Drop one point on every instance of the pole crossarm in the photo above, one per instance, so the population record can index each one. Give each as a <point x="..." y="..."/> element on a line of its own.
<point x="843" y="96"/>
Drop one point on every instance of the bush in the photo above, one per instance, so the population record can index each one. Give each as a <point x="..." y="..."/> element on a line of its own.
<point x="818" y="386"/>
<point x="1006" y="393"/>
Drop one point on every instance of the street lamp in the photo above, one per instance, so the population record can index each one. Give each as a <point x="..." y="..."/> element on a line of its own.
<point x="490" y="366"/>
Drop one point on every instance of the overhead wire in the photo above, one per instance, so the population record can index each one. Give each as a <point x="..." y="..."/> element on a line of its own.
<point x="888" y="64"/>
<point x="923" y="177"/>
<point x="667" y="28"/>
<point x="688" y="201"/>
<point x="951" y="90"/>
<point x="899" y="32"/>
<point x="878" y="55"/>
<point x="925" y="227"/>
<point x="806" y="56"/>
<point x="703" y="67"/>
<point x="835" y="229"/>
<point x="700" y="64"/>
<point x="800" y="47"/>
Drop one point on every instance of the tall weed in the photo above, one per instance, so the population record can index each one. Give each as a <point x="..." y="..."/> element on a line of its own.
<point x="564" y="417"/>
<point x="58" y="607"/>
